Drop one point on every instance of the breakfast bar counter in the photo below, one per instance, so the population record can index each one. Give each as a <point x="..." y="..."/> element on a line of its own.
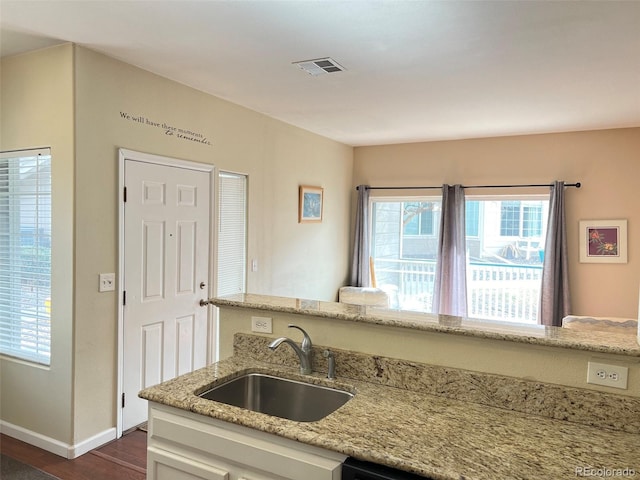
<point x="592" y="341"/>
<point x="433" y="436"/>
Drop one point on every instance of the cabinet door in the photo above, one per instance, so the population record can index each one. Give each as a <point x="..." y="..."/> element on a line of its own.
<point x="254" y="477"/>
<point x="163" y="465"/>
<point x="205" y="448"/>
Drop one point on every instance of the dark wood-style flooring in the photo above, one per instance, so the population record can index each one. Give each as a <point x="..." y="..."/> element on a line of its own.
<point x="122" y="459"/>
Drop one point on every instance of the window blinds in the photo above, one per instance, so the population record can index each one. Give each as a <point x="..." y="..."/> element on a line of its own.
<point x="232" y="234"/>
<point x="25" y="254"/>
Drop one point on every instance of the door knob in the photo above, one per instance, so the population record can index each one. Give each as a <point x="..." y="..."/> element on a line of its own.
<point x="204" y="303"/>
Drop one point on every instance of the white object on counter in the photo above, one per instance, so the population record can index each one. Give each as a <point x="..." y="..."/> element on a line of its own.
<point x="602" y="324"/>
<point x="363" y="296"/>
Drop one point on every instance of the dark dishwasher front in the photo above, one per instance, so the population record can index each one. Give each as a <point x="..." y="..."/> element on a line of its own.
<point x="353" y="469"/>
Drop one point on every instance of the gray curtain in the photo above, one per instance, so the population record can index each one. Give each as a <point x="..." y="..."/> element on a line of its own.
<point x="360" y="263"/>
<point x="450" y="290"/>
<point x="555" y="302"/>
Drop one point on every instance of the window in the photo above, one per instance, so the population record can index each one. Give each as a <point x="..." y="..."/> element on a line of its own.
<point x="404" y="245"/>
<point x="232" y="233"/>
<point x="472" y="218"/>
<point x="25" y="255"/>
<point x="505" y="249"/>
<point x="521" y="219"/>
<point x="504" y="245"/>
<point x="418" y="218"/>
<point x="532" y="220"/>
<point x="510" y="219"/>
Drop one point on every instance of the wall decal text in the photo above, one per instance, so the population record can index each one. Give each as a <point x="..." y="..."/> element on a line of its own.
<point x="169" y="130"/>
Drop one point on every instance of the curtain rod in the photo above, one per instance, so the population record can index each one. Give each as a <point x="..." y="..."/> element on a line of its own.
<point x="577" y="185"/>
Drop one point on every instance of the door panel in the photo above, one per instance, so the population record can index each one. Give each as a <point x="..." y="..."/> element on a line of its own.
<point x="166" y="258"/>
<point x="184" y="345"/>
<point x="152" y="353"/>
<point x="153" y="260"/>
<point x="186" y="257"/>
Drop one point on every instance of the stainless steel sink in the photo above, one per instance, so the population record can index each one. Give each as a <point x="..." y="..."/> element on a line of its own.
<point x="280" y="397"/>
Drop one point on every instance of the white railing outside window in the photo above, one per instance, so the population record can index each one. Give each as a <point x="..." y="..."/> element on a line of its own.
<point x="494" y="291"/>
<point x="504" y="292"/>
<point x="25" y="255"/>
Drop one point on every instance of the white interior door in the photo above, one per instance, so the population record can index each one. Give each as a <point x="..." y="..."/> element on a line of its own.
<point x="166" y="274"/>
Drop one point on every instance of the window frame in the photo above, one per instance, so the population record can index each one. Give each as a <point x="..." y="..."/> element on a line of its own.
<point x="488" y="230"/>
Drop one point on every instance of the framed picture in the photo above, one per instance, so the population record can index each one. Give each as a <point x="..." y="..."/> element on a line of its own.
<point x="603" y="241"/>
<point x="310" y="204"/>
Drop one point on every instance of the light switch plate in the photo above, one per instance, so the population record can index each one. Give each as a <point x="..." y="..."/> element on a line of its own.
<point x="107" y="282"/>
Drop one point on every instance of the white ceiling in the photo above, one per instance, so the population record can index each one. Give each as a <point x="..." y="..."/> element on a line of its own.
<point x="415" y="70"/>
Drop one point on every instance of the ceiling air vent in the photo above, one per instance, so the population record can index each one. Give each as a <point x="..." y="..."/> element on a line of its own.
<point x="320" y="66"/>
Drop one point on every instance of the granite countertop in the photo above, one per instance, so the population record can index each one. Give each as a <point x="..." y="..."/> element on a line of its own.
<point x="594" y="341"/>
<point x="438" y="437"/>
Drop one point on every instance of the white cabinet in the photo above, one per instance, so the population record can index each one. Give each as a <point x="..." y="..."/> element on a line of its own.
<point x="186" y="446"/>
<point x="164" y="465"/>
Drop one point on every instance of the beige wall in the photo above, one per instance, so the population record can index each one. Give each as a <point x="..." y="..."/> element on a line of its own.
<point x="277" y="158"/>
<point x="606" y="162"/>
<point x="72" y="405"/>
<point x="37" y="111"/>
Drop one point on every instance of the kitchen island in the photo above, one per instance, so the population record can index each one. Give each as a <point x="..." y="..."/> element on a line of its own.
<point x="424" y="419"/>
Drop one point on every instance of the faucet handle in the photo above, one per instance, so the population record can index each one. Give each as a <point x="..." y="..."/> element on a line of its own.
<point x="331" y="364"/>
<point x="306" y="341"/>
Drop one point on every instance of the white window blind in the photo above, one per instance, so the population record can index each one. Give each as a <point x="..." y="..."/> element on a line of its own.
<point x="232" y="234"/>
<point x="25" y="255"/>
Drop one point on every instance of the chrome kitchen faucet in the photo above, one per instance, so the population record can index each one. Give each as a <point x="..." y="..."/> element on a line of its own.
<point x="304" y="351"/>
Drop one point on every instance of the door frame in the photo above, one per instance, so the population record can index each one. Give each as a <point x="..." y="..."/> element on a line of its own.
<point x="124" y="155"/>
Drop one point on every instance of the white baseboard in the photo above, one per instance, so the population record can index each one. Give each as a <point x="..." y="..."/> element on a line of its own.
<point x="92" y="442"/>
<point x="56" y="446"/>
<point x="36" y="439"/>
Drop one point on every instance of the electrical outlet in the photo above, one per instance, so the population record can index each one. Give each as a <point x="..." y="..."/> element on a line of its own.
<point x="261" y="324"/>
<point x="608" y="375"/>
<point x="107" y="282"/>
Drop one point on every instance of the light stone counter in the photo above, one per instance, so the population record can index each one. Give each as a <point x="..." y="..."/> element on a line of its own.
<point x="594" y="341"/>
<point x="393" y="420"/>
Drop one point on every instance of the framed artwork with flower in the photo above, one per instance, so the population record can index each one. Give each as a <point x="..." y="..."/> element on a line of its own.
<point x="603" y="241"/>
